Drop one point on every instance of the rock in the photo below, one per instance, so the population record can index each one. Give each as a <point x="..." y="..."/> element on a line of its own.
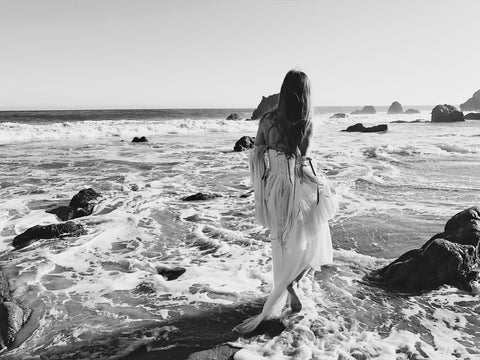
<point x="472" y="104"/>
<point x="267" y="104"/>
<point x="4" y="288"/>
<point x="446" y="113"/>
<point x="146" y="287"/>
<point x="170" y="273"/>
<point x="201" y="196"/>
<point x="220" y="352"/>
<point x="244" y="143"/>
<point x="82" y="204"/>
<point x="47" y="232"/>
<point x="412" y="111"/>
<point x="408" y="122"/>
<point x="448" y="258"/>
<point x="338" y="116"/>
<point x="472" y="116"/>
<point x="12" y="317"/>
<point x="233" y="116"/>
<point x="139" y="139"/>
<point x="395" y="108"/>
<point x="369" y="109"/>
<point x="360" y="128"/>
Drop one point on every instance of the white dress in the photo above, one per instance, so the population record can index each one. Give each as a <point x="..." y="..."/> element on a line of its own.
<point x="294" y="201"/>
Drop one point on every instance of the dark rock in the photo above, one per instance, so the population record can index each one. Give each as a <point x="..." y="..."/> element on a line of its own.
<point x="47" y="232"/>
<point x="369" y="109"/>
<point x="267" y="104"/>
<point x="472" y="116"/>
<point x="244" y="143"/>
<point x="12" y="317"/>
<point x="4" y="288"/>
<point x="82" y="204"/>
<point x="233" y="116"/>
<point x="448" y="258"/>
<point x="220" y="352"/>
<point x="139" y="139"/>
<point x="171" y="273"/>
<point x="408" y="122"/>
<point x="201" y="196"/>
<point x="412" y="111"/>
<point x="338" y="116"/>
<point x="446" y="113"/>
<point x="360" y="128"/>
<point x="146" y="287"/>
<point x="472" y="104"/>
<point x="395" y="108"/>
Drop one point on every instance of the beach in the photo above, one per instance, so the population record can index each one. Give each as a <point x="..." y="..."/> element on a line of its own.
<point x="103" y="295"/>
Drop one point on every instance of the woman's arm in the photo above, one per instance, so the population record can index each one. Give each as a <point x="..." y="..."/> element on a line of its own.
<point x="304" y="146"/>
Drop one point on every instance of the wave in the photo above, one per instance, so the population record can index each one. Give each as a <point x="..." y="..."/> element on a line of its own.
<point x="20" y="132"/>
<point x="452" y="148"/>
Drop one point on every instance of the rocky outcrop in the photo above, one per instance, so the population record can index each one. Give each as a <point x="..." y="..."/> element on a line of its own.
<point x="360" y="128"/>
<point x="472" y="104"/>
<point x="472" y="116"/>
<point x="448" y="258"/>
<point x="267" y="104"/>
<point x="244" y="143"/>
<point x="141" y="139"/>
<point x="446" y="113"/>
<point x="369" y="109"/>
<point x="201" y="196"/>
<point x="82" y="204"/>
<point x="51" y="231"/>
<point x="170" y="273"/>
<point x="233" y="116"/>
<point x="395" y="108"/>
<point x="412" y="111"/>
<point x="338" y="116"/>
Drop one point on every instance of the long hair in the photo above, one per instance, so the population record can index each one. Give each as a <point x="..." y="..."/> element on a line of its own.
<point x="294" y="112"/>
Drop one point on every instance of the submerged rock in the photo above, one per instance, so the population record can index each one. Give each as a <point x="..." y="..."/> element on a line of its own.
<point x="446" y="113"/>
<point x="4" y="288"/>
<point x="395" y="108"/>
<point x="47" y="232"/>
<point x="412" y="111"/>
<point x="244" y="143"/>
<point x="171" y="273"/>
<point x="472" y="104"/>
<point x="233" y="116"/>
<point x="338" y="116"/>
<point x="201" y="196"/>
<point x="267" y="104"/>
<point x="448" y="258"/>
<point x="141" y="139"/>
<point x="472" y="116"/>
<point x="82" y="204"/>
<point x="360" y="128"/>
<point x="369" y="109"/>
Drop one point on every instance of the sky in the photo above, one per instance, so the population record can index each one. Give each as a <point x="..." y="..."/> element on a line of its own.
<point x="97" y="54"/>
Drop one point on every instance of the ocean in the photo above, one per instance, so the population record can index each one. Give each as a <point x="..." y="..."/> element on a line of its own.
<point x="396" y="190"/>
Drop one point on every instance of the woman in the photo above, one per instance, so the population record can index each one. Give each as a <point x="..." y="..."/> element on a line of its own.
<point x="292" y="199"/>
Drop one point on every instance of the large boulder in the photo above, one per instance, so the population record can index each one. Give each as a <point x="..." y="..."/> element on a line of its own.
<point x="12" y="318"/>
<point x="82" y="204"/>
<point x="338" y="116"/>
<point x="412" y="111"/>
<point x="267" y="104"/>
<point x="446" y="113"/>
<point x="369" y="109"/>
<point x="141" y="139"/>
<point x="472" y="104"/>
<point x="244" y="143"/>
<point x="448" y="258"/>
<point x="472" y="116"/>
<point x="395" y="108"/>
<point x="361" y="128"/>
<point x="51" y="231"/>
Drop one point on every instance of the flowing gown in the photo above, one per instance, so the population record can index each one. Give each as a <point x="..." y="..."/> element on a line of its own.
<point x="294" y="201"/>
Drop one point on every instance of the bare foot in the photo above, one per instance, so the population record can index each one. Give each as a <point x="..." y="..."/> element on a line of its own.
<point x="295" y="303"/>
